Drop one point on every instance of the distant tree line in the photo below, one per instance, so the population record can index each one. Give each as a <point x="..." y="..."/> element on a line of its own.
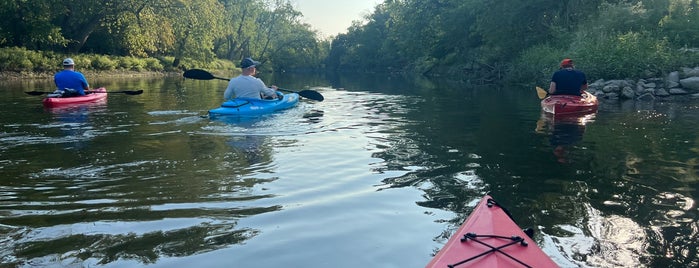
<point x="521" y="40"/>
<point x="182" y="33"/>
<point x="480" y="40"/>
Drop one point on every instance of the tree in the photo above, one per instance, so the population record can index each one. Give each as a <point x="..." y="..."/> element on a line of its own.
<point x="195" y="25"/>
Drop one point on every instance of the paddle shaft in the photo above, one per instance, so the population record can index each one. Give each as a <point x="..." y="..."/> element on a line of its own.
<point x="204" y="75"/>
<point x="127" y="92"/>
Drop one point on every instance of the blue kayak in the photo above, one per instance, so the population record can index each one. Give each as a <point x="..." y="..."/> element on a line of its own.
<point x="247" y="106"/>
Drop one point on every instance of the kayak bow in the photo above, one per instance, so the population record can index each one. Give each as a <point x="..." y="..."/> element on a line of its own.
<point x="490" y="238"/>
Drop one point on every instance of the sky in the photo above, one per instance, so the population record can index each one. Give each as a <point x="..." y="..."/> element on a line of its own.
<point x="332" y="17"/>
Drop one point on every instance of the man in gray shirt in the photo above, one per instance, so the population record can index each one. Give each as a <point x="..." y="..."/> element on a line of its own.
<point x="246" y="85"/>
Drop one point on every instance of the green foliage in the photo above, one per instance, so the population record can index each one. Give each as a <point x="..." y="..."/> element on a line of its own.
<point x="20" y="59"/>
<point x="185" y="34"/>
<point x="535" y="65"/>
<point x="131" y="63"/>
<point x="625" y="55"/>
<point x="607" y="39"/>
<point x="153" y="64"/>
<point x="466" y="37"/>
<point x="104" y="63"/>
<point x="680" y="23"/>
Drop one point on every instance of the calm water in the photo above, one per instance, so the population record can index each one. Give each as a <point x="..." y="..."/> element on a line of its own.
<point x="378" y="175"/>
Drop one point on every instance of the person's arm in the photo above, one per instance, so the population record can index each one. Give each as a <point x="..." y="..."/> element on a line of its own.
<point x="552" y="88"/>
<point x="268" y="91"/>
<point x="83" y="82"/>
<point x="228" y="94"/>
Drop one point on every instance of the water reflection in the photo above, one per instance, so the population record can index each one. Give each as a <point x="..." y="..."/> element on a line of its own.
<point x="159" y="184"/>
<point x="565" y="131"/>
<point x="101" y="214"/>
<point x="253" y="149"/>
<point x="74" y="121"/>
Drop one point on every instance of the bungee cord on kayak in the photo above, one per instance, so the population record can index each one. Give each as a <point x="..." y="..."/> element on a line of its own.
<point x="472" y="236"/>
<point x="515" y="239"/>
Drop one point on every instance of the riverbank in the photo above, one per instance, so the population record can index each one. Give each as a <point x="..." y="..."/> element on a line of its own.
<point x="683" y="83"/>
<point x="120" y="74"/>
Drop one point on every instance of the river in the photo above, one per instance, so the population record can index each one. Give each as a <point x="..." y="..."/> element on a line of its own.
<point x="380" y="174"/>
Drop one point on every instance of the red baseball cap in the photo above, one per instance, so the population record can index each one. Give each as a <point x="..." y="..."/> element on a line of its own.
<point x="566" y="63"/>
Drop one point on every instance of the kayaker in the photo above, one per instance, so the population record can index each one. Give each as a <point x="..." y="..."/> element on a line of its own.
<point x="69" y="83"/>
<point x="246" y="85"/>
<point x="567" y="80"/>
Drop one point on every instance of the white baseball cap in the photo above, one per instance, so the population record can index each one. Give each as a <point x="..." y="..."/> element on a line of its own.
<point x="68" y="62"/>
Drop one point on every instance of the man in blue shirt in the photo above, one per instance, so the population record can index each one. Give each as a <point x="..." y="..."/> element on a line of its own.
<point x="70" y="83"/>
<point x="567" y="80"/>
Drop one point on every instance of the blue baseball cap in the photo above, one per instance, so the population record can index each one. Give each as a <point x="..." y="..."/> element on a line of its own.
<point x="248" y="62"/>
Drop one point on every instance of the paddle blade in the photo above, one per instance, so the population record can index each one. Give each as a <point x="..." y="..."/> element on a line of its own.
<point x="130" y="92"/>
<point x="200" y="74"/>
<point x="36" y="93"/>
<point x="541" y="92"/>
<point x="311" y="94"/>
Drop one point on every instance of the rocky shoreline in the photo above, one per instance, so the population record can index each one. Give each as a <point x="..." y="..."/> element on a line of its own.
<point x="678" y="84"/>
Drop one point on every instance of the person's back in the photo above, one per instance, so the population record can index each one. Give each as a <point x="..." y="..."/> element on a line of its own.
<point x="568" y="80"/>
<point x="70" y="81"/>
<point x="247" y="85"/>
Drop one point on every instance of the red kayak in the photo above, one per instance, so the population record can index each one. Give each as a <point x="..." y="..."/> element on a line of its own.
<point x="570" y="104"/>
<point x="489" y="238"/>
<point x="94" y="95"/>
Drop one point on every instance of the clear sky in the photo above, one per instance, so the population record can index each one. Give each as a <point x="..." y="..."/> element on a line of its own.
<point x="331" y="17"/>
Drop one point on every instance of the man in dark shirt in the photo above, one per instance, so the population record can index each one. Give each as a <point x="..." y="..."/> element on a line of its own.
<point x="567" y="80"/>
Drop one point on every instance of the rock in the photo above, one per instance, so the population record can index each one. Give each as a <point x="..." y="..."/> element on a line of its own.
<point x="672" y="84"/>
<point x="661" y="92"/>
<point x="647" y="74"/>
<point x="599" y="83"/>
<point x="627" y="93"/>
<point x="678" y="91"/>
<point x="673" y="77"/>
<point x="640" y="89"/>
<point x="646" y="96"/>
<point x="611" y="96"/>
<point x="691" y="83"/>
<point x="610" y="88"/>
<point x="689" y="72"/>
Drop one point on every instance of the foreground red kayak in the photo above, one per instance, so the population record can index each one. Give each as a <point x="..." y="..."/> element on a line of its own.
<point x="489" y="238"/>
<point x="95" y="95"/>
<point x="570" y="104"/>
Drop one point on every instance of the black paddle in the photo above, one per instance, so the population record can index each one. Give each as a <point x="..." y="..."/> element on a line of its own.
<point x="204" y="75"/>
<point x="127" y="92"/>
